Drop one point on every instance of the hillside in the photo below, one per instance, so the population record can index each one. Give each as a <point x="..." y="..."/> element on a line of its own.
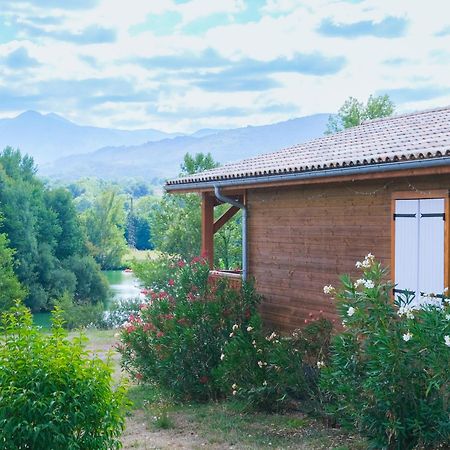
<point x="47" y="137"/>
<point x="156" y="160"/>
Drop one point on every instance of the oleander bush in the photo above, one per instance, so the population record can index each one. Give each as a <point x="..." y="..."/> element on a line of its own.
<point x="270" y="372"/>
<point x="176" y="338"/>
<point x="389" y="371"/>
<point x="53" y="394"/>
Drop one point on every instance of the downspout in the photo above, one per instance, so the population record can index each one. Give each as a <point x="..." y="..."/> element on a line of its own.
<point x="239" y="205"/>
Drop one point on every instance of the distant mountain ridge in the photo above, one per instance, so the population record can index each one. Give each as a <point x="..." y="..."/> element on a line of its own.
<point x="162" y="159"/>
<point x="66" y="151"/>
<point x="49" y="136"/>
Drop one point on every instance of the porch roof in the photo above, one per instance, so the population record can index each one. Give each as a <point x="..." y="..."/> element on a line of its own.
<point x="382" y="144"/>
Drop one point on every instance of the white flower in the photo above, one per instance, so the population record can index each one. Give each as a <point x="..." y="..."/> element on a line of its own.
<point x="369" y="284"/>
<point x="249" y="329"/>
<point x="329" y="290"/>
<point x="265" y="383"/>
<point x="261" y="364"/>
<point x="447" y="340"/>
<point x="320" y="364"/>
<point x="234" y="386"/>
<point x="235" y="327"/>
<point x="222" y="356"/>
<point x="447" y="316"/>
<point x="367" y="263"/>
<point x="359" y="283"/>
<point x="272" y="336"/>
<point x="406" y="310"/>
<point x="407" y="336"/>
<point x="254" y="343"/>
<point x="231" y="334"/>
<point x="350" y="311"/>
<point x="234" y="392"/>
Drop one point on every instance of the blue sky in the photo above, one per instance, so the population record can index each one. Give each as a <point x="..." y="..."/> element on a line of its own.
<point x="182" y="65"/>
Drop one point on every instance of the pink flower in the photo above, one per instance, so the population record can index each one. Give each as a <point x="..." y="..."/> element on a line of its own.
<point x="171" y="282"/>
<point x="181" y="263"/>
<point x="138" y="376"/>
<point x="130" y="328"/>
<point x="159" y="334"/>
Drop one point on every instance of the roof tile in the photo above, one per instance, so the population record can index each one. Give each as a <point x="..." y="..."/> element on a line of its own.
<point x="424" y="134"/>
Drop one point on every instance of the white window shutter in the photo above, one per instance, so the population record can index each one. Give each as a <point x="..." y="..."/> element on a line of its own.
<point x="431" y="246"/>
<point x="407" y="245"/>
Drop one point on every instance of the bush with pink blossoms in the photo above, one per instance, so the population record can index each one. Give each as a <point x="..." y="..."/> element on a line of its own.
<point x="176" y="338"/>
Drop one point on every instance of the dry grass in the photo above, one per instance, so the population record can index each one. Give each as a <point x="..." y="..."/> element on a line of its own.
<point x="156" y="423"/>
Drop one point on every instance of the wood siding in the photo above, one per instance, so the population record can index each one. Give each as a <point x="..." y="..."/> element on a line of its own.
<point x="302" y="238"/>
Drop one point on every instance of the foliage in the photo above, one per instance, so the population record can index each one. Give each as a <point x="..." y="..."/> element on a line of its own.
<point x="268" y="371"/>
<point x="175" y="222"/>
<point x="119" y="312"/>
<point x="10" y="288"/>
<point x="104" y="225"/>
<point x="389" y="372"/>
<point x="91" y="286"/>
<point x="177" y="337"/>
<point x="53" y="395"/>
<point x="156" y="270"/>
<point x="353" y="112"/>
<point x="84" y="315"/>
<point x="44" y="231"/>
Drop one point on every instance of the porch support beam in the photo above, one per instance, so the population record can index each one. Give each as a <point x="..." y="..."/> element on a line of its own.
<point x="225" y="217"/>
<point x="208" y="202"/>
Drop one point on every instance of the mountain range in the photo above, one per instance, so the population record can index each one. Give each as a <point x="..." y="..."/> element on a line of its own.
<point x="66" y="151"/>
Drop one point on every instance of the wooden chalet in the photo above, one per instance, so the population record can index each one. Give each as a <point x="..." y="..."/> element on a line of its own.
<point x="312" y="210"/>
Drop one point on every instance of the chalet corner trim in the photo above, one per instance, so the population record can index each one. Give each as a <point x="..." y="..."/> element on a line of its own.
<point x="321" y="175"/>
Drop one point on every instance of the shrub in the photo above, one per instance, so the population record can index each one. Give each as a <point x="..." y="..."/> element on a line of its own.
<point x="389" y="373"/>
<point x="119" y="312"/>
<point x="83" y="315"/>
<point x="177" y="337"/>
<point x="268" y="371"/>
<point x="52" y="394"/>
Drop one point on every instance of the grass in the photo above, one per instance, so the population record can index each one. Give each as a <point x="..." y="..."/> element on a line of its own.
<point x="228" y="424"/>
<point x="218" y="424"/>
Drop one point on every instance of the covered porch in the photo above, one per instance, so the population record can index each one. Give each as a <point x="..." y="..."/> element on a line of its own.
<point x="210" y="225"/>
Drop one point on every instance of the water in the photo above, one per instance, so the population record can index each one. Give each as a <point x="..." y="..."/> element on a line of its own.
<point x="123" y="285"/>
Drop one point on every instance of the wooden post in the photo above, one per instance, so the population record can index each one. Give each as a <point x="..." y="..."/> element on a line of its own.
<point x="208" y="228"/>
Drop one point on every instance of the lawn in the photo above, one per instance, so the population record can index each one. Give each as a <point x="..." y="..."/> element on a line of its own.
<point x="155" y="422"/>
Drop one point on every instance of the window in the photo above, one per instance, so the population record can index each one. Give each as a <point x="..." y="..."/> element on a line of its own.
<point x="420" y="247"/>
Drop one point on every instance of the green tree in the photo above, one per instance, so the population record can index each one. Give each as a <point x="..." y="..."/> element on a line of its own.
<point x="175" y="221"/>
<point x="10" y="287"/>
<point x="353" y="112"/>
<point x="43" y="230"/>
<point x="104" y="224"/>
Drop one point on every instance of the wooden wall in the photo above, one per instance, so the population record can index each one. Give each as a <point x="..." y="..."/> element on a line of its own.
<point x="302" y="238"/>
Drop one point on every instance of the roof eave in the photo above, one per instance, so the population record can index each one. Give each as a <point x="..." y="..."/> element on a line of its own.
<point x="360" y="170"/>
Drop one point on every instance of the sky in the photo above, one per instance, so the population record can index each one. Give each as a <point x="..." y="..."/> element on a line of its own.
<point x="183" y="65"/>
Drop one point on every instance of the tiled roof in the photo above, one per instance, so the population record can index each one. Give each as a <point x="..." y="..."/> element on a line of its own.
<point x="419" y="135"/>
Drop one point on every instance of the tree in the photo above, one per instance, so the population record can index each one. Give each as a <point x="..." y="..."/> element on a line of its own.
<point x="353" y="112"/>
<point x="10" y="287"/>
<point x="43" y="231"/>
<point x="175" y="221"/>
<point x="104" y="225"/>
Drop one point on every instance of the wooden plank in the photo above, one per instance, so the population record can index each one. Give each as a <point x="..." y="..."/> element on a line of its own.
<point x="225" y="217"/>
<point x="208" y="228"/>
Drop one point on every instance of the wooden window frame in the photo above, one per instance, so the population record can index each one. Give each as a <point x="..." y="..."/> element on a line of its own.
<point x="413" y="195"/>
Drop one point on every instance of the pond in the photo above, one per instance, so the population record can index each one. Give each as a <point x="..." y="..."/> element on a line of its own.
<point x="123" y="285"/>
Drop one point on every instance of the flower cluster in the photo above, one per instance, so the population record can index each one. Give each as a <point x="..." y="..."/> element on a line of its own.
<point x="367" y="263"/>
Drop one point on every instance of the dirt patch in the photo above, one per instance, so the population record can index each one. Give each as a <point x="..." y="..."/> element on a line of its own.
<point x="138" y="435"/>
